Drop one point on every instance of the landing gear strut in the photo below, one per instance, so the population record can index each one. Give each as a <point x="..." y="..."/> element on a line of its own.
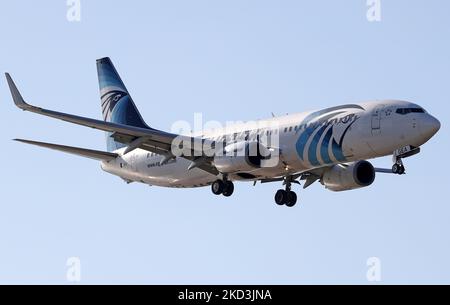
<point x="286" y="196"/>
<point x="222" y="187"/>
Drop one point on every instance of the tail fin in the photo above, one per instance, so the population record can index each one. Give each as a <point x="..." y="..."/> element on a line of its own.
<point x="117" y="104"/>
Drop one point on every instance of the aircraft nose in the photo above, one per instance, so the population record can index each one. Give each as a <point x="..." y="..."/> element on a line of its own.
<point x="430" y="126"/>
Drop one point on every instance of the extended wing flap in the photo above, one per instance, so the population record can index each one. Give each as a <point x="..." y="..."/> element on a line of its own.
<point x="87" y="153"/>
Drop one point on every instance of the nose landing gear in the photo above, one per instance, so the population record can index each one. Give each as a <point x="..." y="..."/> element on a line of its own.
<point x="401" y="153"/>
<point x="398" y="168"/>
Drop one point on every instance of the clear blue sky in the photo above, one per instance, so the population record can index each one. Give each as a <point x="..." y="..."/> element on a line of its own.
<point x="230" y="60"/>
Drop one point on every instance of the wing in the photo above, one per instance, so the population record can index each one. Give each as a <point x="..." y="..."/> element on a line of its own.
<point x="310" y="176"/>
<point x="153" y="140"/>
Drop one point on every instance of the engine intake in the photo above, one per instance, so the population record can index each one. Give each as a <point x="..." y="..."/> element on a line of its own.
<point x="345" y="177"/>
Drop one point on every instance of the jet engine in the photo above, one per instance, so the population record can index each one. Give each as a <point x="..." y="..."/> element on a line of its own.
<point x="241" y="157"/>
<point x="345" y="177"/>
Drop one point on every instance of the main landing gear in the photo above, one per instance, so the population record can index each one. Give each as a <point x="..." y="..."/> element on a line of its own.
<point x="222" y="187"/>
<point x="286" y="196"/>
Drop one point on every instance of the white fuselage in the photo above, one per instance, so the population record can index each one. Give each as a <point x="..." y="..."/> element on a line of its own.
<point x="307" y="141"/>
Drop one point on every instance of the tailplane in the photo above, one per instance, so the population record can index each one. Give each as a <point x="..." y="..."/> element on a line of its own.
<point x="83" y="152"/>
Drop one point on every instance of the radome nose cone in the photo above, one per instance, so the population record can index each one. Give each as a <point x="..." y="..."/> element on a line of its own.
<point x="435" y="125"/>
<point x="431" y="126"/>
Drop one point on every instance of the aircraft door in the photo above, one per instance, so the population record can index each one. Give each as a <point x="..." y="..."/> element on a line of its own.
<point x="376" y="120"/>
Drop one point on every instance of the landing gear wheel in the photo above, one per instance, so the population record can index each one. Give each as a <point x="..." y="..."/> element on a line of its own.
<point x="398" y="169"/>
<point x="291" y="199"/>
<point x="217" y="187"/>
<point x="281" y="197"/>
<point x="228" y="189"/>
<point x="395" y="168"/>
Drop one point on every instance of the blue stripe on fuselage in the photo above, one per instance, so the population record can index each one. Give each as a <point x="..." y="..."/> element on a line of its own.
<point x="324" y="147"/>
<point x="304" y="137"/>
<point x="312" y="151"/>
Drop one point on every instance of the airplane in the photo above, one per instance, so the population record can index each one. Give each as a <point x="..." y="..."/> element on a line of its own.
<point x="331" y="145"/>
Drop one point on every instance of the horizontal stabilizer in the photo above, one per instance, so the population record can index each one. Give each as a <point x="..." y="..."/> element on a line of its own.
<point x="87" y="153"/>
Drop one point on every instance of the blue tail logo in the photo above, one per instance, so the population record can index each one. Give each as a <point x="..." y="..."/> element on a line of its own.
<point x="117" y="104"/>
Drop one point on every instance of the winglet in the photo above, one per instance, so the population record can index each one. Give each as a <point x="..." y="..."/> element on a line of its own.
<point x="17" y="97"/>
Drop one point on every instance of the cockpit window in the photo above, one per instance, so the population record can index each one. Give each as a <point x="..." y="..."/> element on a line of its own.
<point x="409" y="110"/>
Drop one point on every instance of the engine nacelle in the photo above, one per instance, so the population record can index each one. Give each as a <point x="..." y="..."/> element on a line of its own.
<point x="241" y="157"/>
<point x="345" y="177"/>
